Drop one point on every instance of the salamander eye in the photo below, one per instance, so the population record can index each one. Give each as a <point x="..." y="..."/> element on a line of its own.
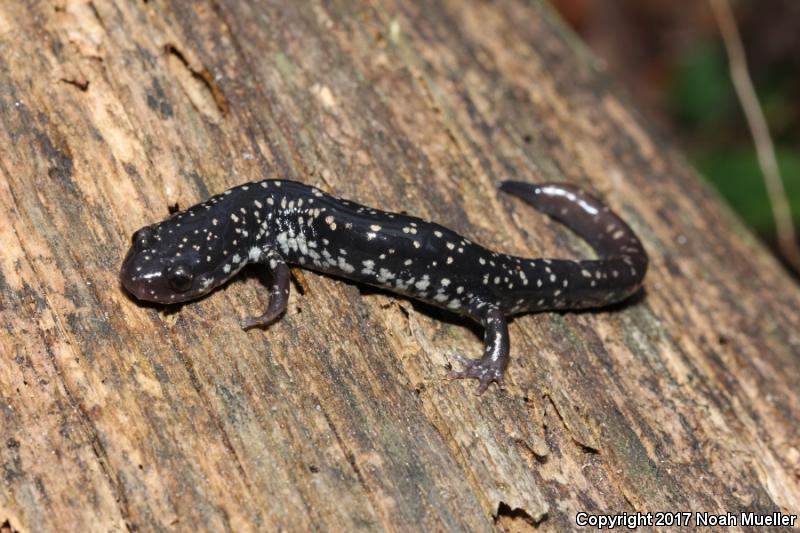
<point x="179" y="278"/>
<point x="142" y="238"/>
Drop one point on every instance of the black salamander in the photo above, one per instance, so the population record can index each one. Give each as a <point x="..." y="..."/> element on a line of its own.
<point x="279" y="222"/>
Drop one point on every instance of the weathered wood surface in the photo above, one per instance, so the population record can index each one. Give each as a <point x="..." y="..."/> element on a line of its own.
<point x="118" y="416"/>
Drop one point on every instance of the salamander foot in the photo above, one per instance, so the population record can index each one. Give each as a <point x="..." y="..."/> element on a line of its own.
<point x="484" y="370"/>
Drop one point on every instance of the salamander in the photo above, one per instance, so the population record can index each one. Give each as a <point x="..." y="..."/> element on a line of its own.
<point x="276" y="223"/>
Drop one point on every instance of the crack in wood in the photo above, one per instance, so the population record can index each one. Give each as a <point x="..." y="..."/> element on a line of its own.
<point x="577" y="441"/>
<point x="6" y="527"/>
<point x="82" y="84"/>
<point x="506" y="513"/>
<point x="204" y="77"/>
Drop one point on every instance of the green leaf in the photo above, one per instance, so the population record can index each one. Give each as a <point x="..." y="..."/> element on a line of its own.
<point x="737" y="176"/>
<point x="702" y="90"/>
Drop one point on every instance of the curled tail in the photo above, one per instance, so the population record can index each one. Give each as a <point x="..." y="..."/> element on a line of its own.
<point x="623" y="262"/>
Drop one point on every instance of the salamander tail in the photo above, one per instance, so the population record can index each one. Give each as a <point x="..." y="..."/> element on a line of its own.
<point x="623" y="262"/>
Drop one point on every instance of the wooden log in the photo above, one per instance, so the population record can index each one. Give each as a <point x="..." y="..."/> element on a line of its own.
<point x="119" y="416"/>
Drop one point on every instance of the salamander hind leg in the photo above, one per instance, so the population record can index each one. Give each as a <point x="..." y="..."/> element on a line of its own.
<point x="491" y="366"/>
<point x="278" y="293"/>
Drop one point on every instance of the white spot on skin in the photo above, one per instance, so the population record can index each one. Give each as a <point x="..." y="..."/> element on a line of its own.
<point x="214" y="221"/>
<point x="345" y="266"/>
<point x="437" y="233"/>
<point x="445" y="282"/>
<point x="423" y="284"/>
<point x="375" y="227"/>
<point x="417" y="244"/>
<point x="234" y="217"/>
<point x="385" y="275"/>
<point x="236" y="258"/>
<point x="407" y="262"/>
<point x="449" y="260"/>
<point x="283" y="242"/>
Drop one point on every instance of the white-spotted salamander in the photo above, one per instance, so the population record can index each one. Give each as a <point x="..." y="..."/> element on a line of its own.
<point x="281" y="222"/>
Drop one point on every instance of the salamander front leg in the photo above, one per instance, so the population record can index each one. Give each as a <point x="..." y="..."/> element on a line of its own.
<point x="278" y="294"/>
<point x="492" y="364"/>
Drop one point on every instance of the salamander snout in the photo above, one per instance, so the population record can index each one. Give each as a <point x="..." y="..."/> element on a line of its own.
<point x="149" y="276"/>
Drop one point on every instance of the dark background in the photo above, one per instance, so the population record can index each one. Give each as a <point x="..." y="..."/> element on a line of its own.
<point x="671" y="58"/>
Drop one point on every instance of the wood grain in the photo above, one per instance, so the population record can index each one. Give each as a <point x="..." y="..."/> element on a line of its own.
<point x="118" y="416"/>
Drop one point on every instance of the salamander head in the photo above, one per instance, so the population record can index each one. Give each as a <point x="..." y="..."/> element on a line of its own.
<point x="183" y="257"/>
